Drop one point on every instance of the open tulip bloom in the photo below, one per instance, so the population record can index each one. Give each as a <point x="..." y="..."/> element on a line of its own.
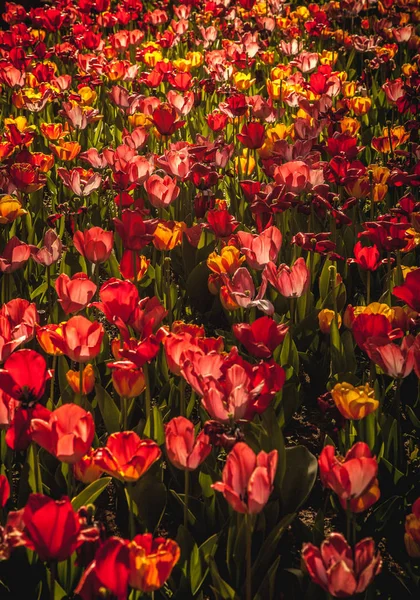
<point x="209" y="299"/>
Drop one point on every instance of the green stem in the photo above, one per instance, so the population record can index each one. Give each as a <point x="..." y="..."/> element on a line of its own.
<point x="131" y="521"/>
<point x="52" y="580"/>
<point x="368" y="281"/>
<point x="147" y="390"/>
<point x="248" y="584"/>
<point x="124" y="413"/>
<point x="52" y="380"/>
<point x="186" y="495"/>
<point x="182" y="408"/>
<point x="81" y="379"/>
<point x="37" y="474"/>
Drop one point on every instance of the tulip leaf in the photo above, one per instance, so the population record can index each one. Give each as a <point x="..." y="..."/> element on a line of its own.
<point x="299" y="479"/>
<point x="90" y="493"/>
<point x="269" y="547"/>
<point x="154" y="427"/>
<point x="150" y="495"/>
<point x="108" y="408"/>
<point x="267" y="588"/>
<point x="199" y="562"/>
<point x="222" y="590"/>
<point x="412" y="416"/>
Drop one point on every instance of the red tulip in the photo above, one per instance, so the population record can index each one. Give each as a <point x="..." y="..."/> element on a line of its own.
<point x="165" y="120"/>
<point x="252" y="135"/>
<point x="353" y="478"/>
<point x="248" y="478"/>
<point x="135" y="232"/>
<point x="22" y="316"/>
<point x="4" y="490"/>
<point x="412" y="531"/>
<point x="262" y="337"/>
<point x="79" y="339"/>
<point x="94" y="244"/>
<point x="162" y="192"/>
<point x="15" y="255"/>
<point x="409" y="291"/>
<point x="118" y="301"/>
<point x="52" y="527"/>
<point x="126" y="456"/>
<point x="185" y="451"/>
<point x="221" y="222"/>
<point x="373" y="326"/>
<point x="74" y="293"/>
<point x="367" y="258"/>
<point x="67" y="435"/>
<point x="339" y="570"/>
<point x="177" y="344"/>
<point x="290" y="282"/>
<point x="24" y="376"/>
<point x="19" y="436"/>
<point x="260" y="249"/>
<point x="396" y="361"/>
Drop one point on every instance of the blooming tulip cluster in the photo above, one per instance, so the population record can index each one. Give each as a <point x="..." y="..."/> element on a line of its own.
<point x="209" y="298"/>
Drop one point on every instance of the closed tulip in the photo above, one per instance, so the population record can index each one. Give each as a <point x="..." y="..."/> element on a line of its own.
<point x="161" y="191"/>
<point x="128" y="380"/>
<point x="185" y="450"/>
<point x="94" y="244"/>
<point x="151" y="561"/>
<point x="74" y="293"/>
<point x="126" y="456"/>
<point x="52" y="527"/>
<point x="80" y="339"/>
<point x="291" y="282"/>
<point x="24" y="376"/>
<point x="262" y="337"/>
<point x="353" y="478"/>
<point x="412" y="531"/>
<point x="67" y="435"/>
<point x="88" y="380"/>
<point x="340" y="570"/>
<point x="247" y="478"/>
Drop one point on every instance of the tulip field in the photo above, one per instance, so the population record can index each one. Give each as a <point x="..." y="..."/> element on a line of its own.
<point x="210" y="300"/>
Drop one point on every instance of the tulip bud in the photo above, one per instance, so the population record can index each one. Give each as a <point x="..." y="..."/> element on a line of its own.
<point x="86" y="469"/>
<point x="45" y="341"/>
<point x="73" y="379"/>
<point x="127" y="379"/>
<point x="325" y="318"/>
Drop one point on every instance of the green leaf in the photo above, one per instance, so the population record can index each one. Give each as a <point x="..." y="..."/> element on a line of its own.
<point x="221" y="589"/>
<point x="269" y="547"/>
<point x="299" y="479"/>
<point x="150" y="496"/>
<point x="90" y="493"/>
<point x="154" y="428"/>
<point x="108" y="408"/>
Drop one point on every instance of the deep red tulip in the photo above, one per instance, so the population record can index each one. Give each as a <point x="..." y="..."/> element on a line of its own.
<point x="118" y="300"/>
<point x="221" y="222"/>
<point x="165" y="119"/>
<point x="74" y="293"/>
<point x="94" y="244"/>
<point x="262" y="337"/>
<point x="52" y="527"/>
<point x="368" y="258"/>
<point x="126" y="456"/>
<point x="79" y="339"/>
<point x="4" y="490"/>
<point x="409" y="291"/>
<point x="24" y="376"/>
<point x="67" y="435"/>
<point x="252" y="135"/>
<point x="248" y="478"/>
<point x="339" y="570"/>
<point x="353" y="478"/>
<point x="375" y="327"/>
<point x="135" y="232"/>
<point x="19" y="436"/>
<point x="185" y="450"/>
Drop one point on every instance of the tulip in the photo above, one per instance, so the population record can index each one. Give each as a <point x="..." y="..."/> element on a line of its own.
<point x="367" y="258"/>
<point x="354" y="402"/>
<point x="294" y="175"/>
<point x="396" y="361"/>
<point x="260" y="249"/>
<point x="133" y="266"/>
<point x="135" y="232"/>
<point x="340" y="571"/>
<point x="352" y="478"/>
<point x="247" y="478"/>
<point x="10" y="209"/>
<point x="409" y="291"/>
<point x="81" y="182"/>
<point x="74" y="293"/>
<point x="80" y="339"/>
<point x="128" y="380"/>
<point x="44" y="339"/>
<point x="24" y="376"/>
<point x="88" y="380"/>
<point x="86" y="470"/>
<point x="162" y="192"/>
<point x="412" y="531"/>
<point x="252" y="135"/>
<point x="221" y="222"/>
<point x="289" y="282"/>
<point x="4" y="490"/>
<point x="52" y="527"/>
<point x="262" y="337"/>
<point x="151" y="561"/>
<point x="51" y="251"/>
<point x="67" y="435"/>
<point x="325" y="318"/>
<point x="165" y="120"/>
<point x="15" y="255"/>
<point x="22" y="317"/>
<point x="126" y="456"/>
<point x="185" y="450"/>
<point x="94" y="244"/>
<point x="19" y="435"/>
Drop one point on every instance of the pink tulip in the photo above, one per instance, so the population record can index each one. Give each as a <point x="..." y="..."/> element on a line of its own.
<point x="74" y="293"/>
<point x="248" y="478"/>
<point x="289" y="282"/>
<point x="185" y="450"/>
<point x="51" y="250"/>
<point x="260" y="249"/>
<point x="338" y="569"/>
<point x="396" y="361"/>
<point x="95" y="244"/>
<point x="81" y="182"/>
<point x="161" y="191"/>
<point x="15" y="255"/>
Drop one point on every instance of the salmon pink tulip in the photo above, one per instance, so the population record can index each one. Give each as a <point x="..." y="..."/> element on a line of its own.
<point x="94" y="244"/>
<point x="79" y="339"/>
<point x="291" y="282"/>
<point x="74" y="293"/>
<point x="185" y="450"/>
